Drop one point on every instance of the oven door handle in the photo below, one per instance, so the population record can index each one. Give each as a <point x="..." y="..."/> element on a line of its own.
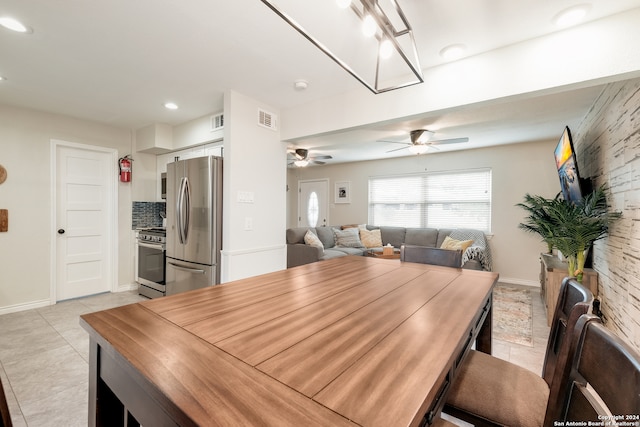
<point x="187" y="269"/>
<point x="151" y="245"/>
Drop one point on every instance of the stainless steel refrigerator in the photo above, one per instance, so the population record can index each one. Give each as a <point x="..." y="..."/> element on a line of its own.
<point x="194" y="223"/>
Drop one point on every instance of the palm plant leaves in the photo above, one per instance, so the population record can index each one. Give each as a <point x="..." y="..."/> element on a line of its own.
<point x="570" y="227"/>
<point x="538" y="221"/>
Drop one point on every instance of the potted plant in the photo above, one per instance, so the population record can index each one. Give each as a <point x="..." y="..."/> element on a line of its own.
<point x="538" y="221"/>
<point x="570" y="227"/>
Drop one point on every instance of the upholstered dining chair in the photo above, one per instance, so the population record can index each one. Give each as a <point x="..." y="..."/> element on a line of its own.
<point x="489" y="391"/>
<point x="601" y="378"/>
<point x="428" y="255"/>
<point x="441" y="422"/>
<point x="5" y="417"/>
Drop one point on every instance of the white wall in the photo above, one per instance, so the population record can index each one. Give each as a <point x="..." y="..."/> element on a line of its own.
<point x="255" y="164"/>
<point x="516" y="170"/>
<point x="25" y="256"/>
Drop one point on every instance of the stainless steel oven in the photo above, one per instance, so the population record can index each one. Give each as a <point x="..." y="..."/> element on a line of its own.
<point x="151" y="262"/>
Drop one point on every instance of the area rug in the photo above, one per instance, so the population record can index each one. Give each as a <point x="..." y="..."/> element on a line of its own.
<point x="512" y="315"/>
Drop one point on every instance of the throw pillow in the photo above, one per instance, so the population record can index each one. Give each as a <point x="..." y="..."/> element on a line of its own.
<point x="312" y="240"/>
<point x="347" y="238"/>
<point x="454" y="245"/>
<point x="371" y="239"/>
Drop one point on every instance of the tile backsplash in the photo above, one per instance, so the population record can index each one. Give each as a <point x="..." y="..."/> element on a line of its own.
<point x="147" y="214"/>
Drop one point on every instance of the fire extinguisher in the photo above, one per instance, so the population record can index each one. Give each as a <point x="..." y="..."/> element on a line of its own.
<point x="124" y="163"/>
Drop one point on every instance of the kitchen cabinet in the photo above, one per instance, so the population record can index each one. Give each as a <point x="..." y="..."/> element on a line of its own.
<point x="552" y="272"/>
<point x="154" y="139"/>
<point x="209" y="149"/>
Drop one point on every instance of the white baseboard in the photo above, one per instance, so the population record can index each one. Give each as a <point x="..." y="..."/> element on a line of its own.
<point x="45" y="303"/>
<point x="125" y="288"/>
<point x="239" y="264"/>
<point x="523" y="282"/>
<point x="26" y="306"/>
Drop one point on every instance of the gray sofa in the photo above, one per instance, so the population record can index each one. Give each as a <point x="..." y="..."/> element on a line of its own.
<point x="476" y="257"/>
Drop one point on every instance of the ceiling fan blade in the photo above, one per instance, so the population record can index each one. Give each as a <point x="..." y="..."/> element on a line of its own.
<point x="323" y="157"/>
<point x="394" y="142"/>
<point x="449" y="141"/>
<point x="317" y="162"/>
<point x="398" y="149"/>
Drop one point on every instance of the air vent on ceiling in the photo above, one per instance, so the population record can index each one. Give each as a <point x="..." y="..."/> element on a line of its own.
<point x="267" y="120"/>
<point x="217" y="122"/>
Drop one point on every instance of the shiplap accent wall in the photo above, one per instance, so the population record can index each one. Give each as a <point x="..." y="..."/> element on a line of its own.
<point x="608" y="149"/>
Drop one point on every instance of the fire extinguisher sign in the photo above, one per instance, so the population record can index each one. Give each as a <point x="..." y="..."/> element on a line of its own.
<point x="124" y="164"/>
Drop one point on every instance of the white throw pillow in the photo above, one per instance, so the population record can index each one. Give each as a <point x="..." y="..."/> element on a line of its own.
<point x="312" y="240"/>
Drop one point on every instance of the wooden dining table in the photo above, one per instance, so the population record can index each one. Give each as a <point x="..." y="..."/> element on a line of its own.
<point x="353" y="341"/>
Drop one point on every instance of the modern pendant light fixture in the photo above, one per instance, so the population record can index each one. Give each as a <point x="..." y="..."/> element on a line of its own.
<point x="392" y="64"/>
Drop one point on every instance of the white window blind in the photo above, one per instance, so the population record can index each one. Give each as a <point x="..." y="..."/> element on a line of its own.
<point x="460" y="199"/>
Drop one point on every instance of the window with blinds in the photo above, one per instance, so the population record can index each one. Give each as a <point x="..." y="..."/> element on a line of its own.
<point x="460" y="199"/>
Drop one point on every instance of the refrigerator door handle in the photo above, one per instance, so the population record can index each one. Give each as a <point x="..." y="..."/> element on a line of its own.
<point x="179" y="212"/>
<point x="187" y="269"/>
<point x="182" y="210"/>
<point x="187" y="210"/>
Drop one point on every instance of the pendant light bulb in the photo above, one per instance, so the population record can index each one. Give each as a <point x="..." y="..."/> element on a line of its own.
<point x="386" y="49"/>
<point x="369" y="26"/>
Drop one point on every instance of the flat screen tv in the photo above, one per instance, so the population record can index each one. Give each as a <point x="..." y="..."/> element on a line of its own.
<point x="568" y="168"/>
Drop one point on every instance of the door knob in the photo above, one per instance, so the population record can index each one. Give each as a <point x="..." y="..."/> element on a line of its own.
<point x="61" y="231"/>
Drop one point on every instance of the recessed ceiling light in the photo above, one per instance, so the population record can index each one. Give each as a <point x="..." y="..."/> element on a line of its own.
<point x="453" y="52"/>
<point x="2" y="78"/>
<point x="171" y="106"/>
<point x="14" y="25"/>
<point x="300" y="85"/>
<point x="571" y="16"/>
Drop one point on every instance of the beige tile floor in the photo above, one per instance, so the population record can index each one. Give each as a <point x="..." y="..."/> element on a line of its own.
<point x="44" y="357"/>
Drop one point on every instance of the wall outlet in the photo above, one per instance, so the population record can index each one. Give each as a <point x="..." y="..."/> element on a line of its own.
<point x="248" y="224"/>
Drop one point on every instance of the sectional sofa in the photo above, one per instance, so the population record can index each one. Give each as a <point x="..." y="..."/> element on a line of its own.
<point x="476" y="257"/>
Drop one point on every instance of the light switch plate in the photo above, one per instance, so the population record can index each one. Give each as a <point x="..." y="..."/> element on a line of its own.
<point x="245" y="197"/>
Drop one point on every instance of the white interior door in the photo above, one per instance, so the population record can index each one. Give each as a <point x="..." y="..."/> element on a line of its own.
<point x="313" y="203"/>
<point x="84" y="221"/>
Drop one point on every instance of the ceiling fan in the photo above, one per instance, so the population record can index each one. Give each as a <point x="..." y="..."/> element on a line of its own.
<point x="420" y="141"/>
<point x="300" y="157"/>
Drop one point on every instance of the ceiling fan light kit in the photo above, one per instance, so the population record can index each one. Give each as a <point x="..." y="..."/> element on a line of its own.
<point x="382" y="20"/>
<point x="419" y="148"/>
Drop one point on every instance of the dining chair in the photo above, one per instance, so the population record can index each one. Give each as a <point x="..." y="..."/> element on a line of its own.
<point x="5" y="416"/>
<point x="441" y="422"/>
<point x="429" y="255"/>
<point x="489" y="391"/>
<point x="600" y="380"/>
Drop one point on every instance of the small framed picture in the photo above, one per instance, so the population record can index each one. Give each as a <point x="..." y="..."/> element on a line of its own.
<point x="343" y="192"/>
